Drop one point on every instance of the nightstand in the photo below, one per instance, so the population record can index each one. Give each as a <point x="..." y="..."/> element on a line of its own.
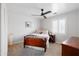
<point x="52" y="39"/>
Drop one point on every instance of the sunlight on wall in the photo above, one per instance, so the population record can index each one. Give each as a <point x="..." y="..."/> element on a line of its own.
<point x="59" y="26"/>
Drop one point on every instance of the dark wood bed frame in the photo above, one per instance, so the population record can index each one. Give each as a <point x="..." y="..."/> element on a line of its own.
<point x="37" y="42"/>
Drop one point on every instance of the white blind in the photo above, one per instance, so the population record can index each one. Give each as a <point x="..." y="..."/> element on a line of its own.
<point x="59" y="26"/>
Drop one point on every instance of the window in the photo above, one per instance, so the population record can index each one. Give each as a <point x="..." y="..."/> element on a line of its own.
<point x="59" y="26"/>
<point x="55" y="26"/>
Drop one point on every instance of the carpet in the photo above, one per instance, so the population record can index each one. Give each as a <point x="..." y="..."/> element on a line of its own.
<point x="25" y="52"/>
<point x="19" y="50"/>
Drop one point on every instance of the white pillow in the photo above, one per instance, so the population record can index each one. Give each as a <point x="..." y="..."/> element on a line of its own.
<point x="42" y="31"/>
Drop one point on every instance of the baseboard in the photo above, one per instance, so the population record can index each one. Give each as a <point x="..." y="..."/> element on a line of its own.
<point x="16" y="42"/>
<point x="58" y="42"/>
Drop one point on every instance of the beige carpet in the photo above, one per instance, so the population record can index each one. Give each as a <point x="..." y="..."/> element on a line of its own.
<point x="18" y="50"/>
<point x="53" y="50"/>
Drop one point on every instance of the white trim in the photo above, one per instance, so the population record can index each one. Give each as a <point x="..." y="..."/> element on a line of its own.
<point x="4" y="34"/>
<point x="16" y="42"/>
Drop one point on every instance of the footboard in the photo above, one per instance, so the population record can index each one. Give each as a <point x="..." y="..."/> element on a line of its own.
<point x="38" y="42"/>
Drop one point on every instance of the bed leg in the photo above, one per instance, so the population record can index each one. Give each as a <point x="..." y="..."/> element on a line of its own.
<point x="45" y="47"/>
<point x="24" y="46"/>
<point x="24" y="41"/>
<point x="45" y="50"/>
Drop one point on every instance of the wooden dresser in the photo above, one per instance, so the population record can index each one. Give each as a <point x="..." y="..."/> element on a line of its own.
<point x="70" y="47"/>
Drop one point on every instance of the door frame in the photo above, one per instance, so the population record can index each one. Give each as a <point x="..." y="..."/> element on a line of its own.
<point x="4" y="30"/>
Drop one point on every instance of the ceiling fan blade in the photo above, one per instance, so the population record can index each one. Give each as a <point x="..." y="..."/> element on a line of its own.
<point x="47" y="12"/>
<point x="45" y="17"/>
<point x="36" y="15"/>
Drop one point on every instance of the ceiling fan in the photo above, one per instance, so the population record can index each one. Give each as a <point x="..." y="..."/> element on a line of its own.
<point x="43" y="13"/>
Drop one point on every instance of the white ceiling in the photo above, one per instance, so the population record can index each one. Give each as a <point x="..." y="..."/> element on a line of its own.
<point x="34" y="8"/>
<point x="65" y="7"/>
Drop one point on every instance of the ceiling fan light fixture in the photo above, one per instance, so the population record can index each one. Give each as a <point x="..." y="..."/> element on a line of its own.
<point x="42" y="9"/>
<point x="44" y="13"/>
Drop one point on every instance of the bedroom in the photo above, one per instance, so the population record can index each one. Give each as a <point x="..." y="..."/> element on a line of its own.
<point x="62" y="22"/>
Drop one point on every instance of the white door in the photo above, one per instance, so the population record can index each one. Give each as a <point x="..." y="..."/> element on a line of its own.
<point x="4" y="34"/>
<point x="0" y="28"/>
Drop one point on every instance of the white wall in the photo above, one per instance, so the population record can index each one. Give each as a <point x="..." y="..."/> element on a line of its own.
<point x="78" y="23"/>
<point x="16" y="22"/>
<point x="72" y="25"/>
<point x="46" y="24"/>
<point x="0" y="28"/>
<point x="17" y="26"/>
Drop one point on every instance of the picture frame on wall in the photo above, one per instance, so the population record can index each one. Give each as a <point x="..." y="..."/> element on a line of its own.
<point x="27" y="24"/>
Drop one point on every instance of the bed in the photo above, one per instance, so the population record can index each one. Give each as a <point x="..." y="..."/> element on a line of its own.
<point x="40" y="39"/>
